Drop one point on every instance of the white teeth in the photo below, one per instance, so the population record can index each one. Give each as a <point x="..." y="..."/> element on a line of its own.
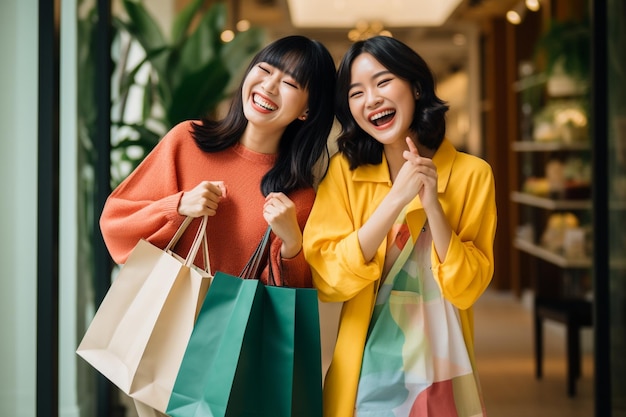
<point x="381" y="114"/>
<point x="263" y="103"/>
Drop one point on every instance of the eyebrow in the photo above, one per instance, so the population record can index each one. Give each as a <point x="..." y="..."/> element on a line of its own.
<point x="376" y="75"/>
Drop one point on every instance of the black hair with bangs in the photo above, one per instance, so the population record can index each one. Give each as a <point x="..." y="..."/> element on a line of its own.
<point x="429" y="123"/>
<point x="303" y="142"/>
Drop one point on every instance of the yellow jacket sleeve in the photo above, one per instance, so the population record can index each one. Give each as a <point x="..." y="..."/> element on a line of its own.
<point x="330" y="241"/>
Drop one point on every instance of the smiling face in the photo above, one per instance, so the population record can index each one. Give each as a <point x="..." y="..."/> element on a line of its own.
<point x="381" y="103"/>
<point x="272" y="99"/>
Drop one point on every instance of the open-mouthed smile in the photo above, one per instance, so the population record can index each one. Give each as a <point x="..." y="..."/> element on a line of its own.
<point x="382" y="117"/>
<point x="263" y="103"/>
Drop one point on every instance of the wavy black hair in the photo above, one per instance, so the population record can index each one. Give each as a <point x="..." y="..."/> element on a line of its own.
<point x="303" y="142"/>
<point x="429" y="123"/>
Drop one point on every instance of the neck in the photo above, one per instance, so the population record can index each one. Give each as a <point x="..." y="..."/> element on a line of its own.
<point x="261" y="141"/>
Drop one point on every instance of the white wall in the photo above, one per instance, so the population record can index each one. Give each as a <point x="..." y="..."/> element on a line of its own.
<point x="18" y="206"/>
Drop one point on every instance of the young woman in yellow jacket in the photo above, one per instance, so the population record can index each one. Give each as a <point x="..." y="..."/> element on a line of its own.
<point x="396" y="176"/>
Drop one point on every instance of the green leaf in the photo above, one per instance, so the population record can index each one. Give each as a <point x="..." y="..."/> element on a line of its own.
<point x="198" y="93"/>
<point x="237" y="53"/>
<point x="143" y="27"/>
<point x="200" y="47"/>
<point x="148" y="99"/>
<point x="216" y="18"/>
<point x="146" y="31"/>
<point x="183" y="19"/>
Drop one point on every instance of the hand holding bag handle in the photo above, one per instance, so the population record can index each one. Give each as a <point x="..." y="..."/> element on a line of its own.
<point x="249" y="335"/>
<point x="290" y="345"/>
<point x="138" y="335"/>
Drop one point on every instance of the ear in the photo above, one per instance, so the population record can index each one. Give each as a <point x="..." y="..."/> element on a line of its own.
<point x="304" y="115"/>
<point x="417" y="94"/>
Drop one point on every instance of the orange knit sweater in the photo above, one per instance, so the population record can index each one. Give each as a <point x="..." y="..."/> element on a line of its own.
<point x="145" y="205"/>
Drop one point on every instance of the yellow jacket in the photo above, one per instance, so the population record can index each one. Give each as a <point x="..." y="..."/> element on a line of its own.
<point x="345" y="200"/>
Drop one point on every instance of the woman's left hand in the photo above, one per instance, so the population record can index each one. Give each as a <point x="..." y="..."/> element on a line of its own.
<point x="427" y="173"/>
<point x="280" y="213"/>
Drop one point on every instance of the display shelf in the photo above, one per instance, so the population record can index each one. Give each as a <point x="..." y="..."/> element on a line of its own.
<point x="550" y="256"/>
<point x="549" y="203"/>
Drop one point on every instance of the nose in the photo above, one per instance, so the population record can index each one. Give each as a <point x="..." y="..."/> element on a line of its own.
<point x="269" y="84"/>
<point x="373" y="100"/>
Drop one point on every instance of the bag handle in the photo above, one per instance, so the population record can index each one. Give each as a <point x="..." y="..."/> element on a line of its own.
<point x="252" y="267"/>
<point x="181" y="229"/>
<point x="199" y="240"/>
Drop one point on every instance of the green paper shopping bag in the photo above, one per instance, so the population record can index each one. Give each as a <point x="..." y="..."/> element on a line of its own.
<point x="221" y="347"/>
<point x="291" y="353"/>
<point x="255" y="351"/>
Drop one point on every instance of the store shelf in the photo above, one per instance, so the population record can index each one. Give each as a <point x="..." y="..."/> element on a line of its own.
<point x="550" y="256"/>
<point x="549" y="203"/>
<point x="536" y="146"/>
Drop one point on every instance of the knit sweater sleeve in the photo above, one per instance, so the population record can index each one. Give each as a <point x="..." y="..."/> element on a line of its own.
<point x="145" y="204"/>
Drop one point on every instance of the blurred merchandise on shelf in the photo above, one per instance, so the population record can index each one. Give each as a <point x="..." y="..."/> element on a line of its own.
<point x="561" y="120"/>
<point x="577" y="175"/>
<point x="569" y="179"/>
<point x="564" y="234"/>
<point x="555" y="175"/>
<point x="526" y="232"/>
<point x="536" y="186"/>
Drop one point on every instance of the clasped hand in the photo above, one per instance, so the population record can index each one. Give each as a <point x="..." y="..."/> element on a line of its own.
<point x="418" y="176"/>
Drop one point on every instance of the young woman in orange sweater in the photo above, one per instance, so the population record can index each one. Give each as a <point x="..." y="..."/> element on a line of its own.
<point x="253" y="168"/>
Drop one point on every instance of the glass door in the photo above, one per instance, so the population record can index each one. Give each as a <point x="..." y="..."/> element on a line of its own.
<point x="609" y="109"/>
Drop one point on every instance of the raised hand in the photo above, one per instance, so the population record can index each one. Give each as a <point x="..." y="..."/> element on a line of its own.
<point x="280" y="213"/>
<point x="425" y="172"/>
<point x="203" y="200"/>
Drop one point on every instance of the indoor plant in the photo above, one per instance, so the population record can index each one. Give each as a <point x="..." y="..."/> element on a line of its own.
<point x="564" y="52"/>
<point x="183" y="76"/>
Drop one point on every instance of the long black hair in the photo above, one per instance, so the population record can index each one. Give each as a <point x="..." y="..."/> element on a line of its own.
<point x="429" y="123"/>
<point x="303" y="142"/>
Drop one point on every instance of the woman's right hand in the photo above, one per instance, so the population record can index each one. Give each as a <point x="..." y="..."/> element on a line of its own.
<point x="202" y="200"/>
<point x="407" y="184"/>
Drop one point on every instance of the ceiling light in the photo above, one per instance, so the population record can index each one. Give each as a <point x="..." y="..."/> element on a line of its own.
<point x="393" y="13"/>
<point x="516" y="14"/>
<point x="533" y="5"/>
<point x="227" y="36"/>
<point x="243" y="25"/>
<point x="459" y="39"/>
<point x="364" y="30"/>
<point x="513" y="17"/>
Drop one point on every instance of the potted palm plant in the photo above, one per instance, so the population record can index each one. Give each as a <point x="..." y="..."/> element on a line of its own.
<point x="181" y="76"/>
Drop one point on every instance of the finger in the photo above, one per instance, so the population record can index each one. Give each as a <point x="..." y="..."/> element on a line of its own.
<point x="220" y="186"/>
<point x="276" y="196"/>
<point x="412" y="147"/>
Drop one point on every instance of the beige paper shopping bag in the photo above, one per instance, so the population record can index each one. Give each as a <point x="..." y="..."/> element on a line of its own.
<point x="139" y="334"/>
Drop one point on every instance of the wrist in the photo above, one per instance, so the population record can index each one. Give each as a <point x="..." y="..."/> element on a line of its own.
<point x="290" y="251"/>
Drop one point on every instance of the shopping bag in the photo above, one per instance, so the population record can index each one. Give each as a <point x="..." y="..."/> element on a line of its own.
<point x="416" y="361"/>
<point x="292" y="355"/>
<point x="139" y="333"/>
<point x="254" y="351"/>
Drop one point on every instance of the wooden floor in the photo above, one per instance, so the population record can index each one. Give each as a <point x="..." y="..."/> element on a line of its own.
<point x="505" y="360"/>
